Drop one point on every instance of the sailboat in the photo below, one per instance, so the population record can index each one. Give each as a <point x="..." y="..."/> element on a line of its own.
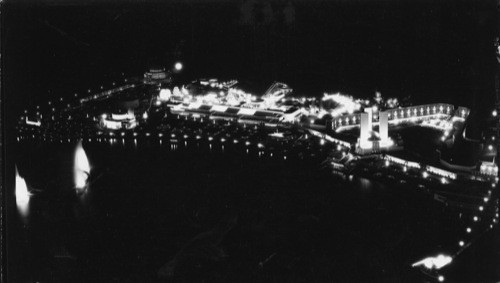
<point x="82" y="168"/>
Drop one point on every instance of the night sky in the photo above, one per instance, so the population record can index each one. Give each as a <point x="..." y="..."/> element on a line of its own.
<point x="439" y="50"/>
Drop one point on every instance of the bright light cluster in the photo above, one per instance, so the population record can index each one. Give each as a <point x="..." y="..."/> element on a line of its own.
<point x="489" y="168"/>
<point x="436" y="262"/>
<point x="346" y="104"/>
<point x="439" y="124"/>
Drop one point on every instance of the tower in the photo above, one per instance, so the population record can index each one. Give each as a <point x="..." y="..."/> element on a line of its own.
<point x="369" y="140"/>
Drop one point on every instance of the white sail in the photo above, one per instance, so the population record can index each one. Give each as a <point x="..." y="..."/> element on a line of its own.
<point x="82" y="167"/>
<point x="22" y="194"/>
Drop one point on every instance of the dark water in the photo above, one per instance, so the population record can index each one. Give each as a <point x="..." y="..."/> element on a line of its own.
<point x="148" y="202"/>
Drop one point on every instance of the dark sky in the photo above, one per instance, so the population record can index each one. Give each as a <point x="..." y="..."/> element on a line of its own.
<point x="432" y="50"/>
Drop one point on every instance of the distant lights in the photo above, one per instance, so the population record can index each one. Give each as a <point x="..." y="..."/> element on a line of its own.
<point x="494" y="113"/>
<point x="481" y="208"/>
<point x="461" y="243"/>
<point x="468" y="230"/>
<point x="425" y="174"/>
<point x="486" y="199"/>
<point x="441" y="278"/>
<point x="475" y="218"/>
<point x="490" y="147"/>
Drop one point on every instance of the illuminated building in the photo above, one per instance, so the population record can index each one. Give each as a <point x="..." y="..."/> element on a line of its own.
<point x="118" y="121"/>
<point x="488" y="168"/>
<point x="157" y="75"/>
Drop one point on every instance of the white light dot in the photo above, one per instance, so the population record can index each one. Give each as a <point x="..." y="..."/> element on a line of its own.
<point x="461" y="243"/>
<point x="441" y="278"/>
<point x="469" y="230"/>
<point x="178" y="66"/>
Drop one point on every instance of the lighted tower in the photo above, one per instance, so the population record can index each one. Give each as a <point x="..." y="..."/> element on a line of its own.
<point x="366" y="125"/>
<point x="383" y="126"/>
<point x="369" y="140"/>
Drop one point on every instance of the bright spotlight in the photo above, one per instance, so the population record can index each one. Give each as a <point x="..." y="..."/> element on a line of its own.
<point x="178" y="66"/>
